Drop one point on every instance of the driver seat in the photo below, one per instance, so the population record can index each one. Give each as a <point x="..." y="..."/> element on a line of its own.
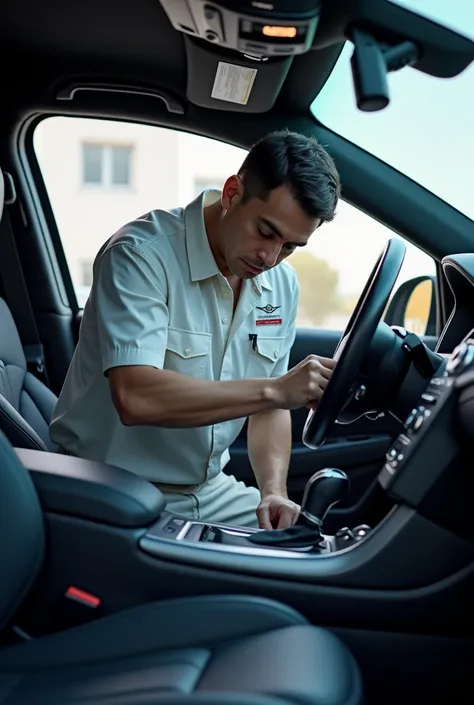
<point x="214" y="649"/>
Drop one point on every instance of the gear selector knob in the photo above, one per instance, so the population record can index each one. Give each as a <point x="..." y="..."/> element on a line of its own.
<point x="323" y="490"/>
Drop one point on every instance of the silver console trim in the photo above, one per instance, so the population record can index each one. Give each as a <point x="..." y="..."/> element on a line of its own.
<point x="297" y="553"/>
<point x="222" y="548"/>
<point x="182" y="533"/>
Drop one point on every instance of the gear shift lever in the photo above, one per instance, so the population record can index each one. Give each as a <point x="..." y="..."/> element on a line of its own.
<point x="323" y="490"/>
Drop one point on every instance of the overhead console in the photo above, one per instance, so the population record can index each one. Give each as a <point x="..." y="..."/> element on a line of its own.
<point x="261" y="29"/>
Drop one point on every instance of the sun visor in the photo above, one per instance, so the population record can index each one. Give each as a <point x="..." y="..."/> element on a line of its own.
<point x="226" y="80"/>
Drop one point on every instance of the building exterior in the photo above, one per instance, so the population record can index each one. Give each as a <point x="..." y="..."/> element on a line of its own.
<point x="100" y="174"/>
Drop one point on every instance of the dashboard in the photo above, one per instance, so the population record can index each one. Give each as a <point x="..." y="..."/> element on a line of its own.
<point x="428" y="467"/>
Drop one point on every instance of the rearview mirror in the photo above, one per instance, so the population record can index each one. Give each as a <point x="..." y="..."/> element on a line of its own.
<point x="413" y="306"/>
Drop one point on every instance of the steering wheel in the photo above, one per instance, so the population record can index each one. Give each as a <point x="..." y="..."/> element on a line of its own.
<point x="355" y="342"/>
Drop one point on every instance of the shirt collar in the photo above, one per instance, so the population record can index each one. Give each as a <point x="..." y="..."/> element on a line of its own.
<point x="202" y="264"/>
<point x="262" y="281"/>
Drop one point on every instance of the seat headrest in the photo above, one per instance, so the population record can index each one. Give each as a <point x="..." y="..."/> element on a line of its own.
<point x="2" y="193"/>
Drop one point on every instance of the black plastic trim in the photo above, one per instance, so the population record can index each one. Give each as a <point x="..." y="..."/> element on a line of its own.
<point x="404" y="551"/>
<point x="90" y="490"/>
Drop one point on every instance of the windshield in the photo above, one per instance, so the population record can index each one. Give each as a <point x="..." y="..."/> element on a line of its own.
<point x="427" y="130"/>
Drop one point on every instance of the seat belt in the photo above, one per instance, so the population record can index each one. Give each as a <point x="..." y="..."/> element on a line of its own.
<point x="16" y="292"/>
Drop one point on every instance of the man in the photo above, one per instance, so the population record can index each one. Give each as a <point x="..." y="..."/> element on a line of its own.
<point x="188" y="330"/>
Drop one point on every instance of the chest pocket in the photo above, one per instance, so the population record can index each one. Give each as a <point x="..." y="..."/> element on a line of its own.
<point x="188" y="352"/>
<point x="263" y="356"/>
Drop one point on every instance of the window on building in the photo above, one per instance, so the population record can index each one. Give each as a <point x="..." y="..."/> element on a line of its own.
<point x="121" y="165"/>
<point x="92" y="163"/>
<point x="106" y="165"/>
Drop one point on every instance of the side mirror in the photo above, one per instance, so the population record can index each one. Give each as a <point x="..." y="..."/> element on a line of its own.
<point x="413" y="306"/>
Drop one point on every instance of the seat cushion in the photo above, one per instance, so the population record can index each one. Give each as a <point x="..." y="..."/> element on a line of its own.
<point x="191" y="647"/>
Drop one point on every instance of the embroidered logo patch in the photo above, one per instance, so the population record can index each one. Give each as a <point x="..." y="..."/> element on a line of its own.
<point x="268" y="319"/>
<point x="268" y="308"/>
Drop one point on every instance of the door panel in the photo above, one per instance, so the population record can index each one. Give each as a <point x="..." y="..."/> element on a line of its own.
<point x="358" y="448"/>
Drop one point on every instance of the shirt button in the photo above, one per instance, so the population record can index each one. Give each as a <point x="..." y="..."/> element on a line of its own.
<point x="187" y="350"/>
<point x="225" y="320"/>
<point x="275" y="354"/>
<point x="225" y="294"/>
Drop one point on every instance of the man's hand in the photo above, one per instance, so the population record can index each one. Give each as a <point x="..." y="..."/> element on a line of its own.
<point x="304" y="384"/>
<point x="277" y="512"/>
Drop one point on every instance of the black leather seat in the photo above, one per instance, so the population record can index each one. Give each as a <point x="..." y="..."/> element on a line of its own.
<point x="227" y="650"/>
<point x="26" y="404"/>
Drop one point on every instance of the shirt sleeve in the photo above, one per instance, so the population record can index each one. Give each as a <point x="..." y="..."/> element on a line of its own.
<point x="130" y="300"/>
<point x="282" y="365"/>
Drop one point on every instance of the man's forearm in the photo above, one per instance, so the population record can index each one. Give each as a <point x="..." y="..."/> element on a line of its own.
<point x="150" y="397"/>
<point x="269" y="448"/>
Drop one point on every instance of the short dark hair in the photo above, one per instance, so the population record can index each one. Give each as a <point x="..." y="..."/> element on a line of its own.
<point x="285" y="158"/>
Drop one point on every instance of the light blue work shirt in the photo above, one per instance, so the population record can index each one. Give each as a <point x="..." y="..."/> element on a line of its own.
<point x="159" y="299"/>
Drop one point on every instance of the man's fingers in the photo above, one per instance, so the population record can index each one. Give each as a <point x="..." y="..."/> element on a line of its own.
<point x="263" y="515"/>
<point x="286" y="517"/>
<point x="322" y="382"/>
<point x="325" y="373"/>
<point x="328" y="362"/>
<point x="317" y="367"/>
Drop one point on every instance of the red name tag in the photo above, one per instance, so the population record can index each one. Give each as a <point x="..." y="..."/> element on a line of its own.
<point x="269" y="322"/>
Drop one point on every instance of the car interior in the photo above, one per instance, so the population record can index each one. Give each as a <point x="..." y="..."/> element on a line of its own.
<point x="105" y="595"/>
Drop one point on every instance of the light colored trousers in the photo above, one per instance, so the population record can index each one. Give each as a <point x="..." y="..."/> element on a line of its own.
<point x="222" y="500"/>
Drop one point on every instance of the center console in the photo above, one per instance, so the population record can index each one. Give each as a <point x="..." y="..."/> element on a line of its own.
<point x="324" y="489"/>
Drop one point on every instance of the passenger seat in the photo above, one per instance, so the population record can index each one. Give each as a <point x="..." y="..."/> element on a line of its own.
<point x="26" y="404"/>
<point x="207" y="650"/>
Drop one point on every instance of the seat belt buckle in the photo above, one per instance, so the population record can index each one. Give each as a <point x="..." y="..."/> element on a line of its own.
<point x="34" y="355"/>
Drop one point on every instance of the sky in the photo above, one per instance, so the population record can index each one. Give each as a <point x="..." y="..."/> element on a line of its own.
<point x="427" y="132"/>
<point x="428" y="128"/>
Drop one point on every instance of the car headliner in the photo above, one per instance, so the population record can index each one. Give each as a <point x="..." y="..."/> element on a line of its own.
<point x="132" y="41"/>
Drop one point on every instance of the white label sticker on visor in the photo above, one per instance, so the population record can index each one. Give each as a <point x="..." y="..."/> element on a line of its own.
<point x="233" y="83"/>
